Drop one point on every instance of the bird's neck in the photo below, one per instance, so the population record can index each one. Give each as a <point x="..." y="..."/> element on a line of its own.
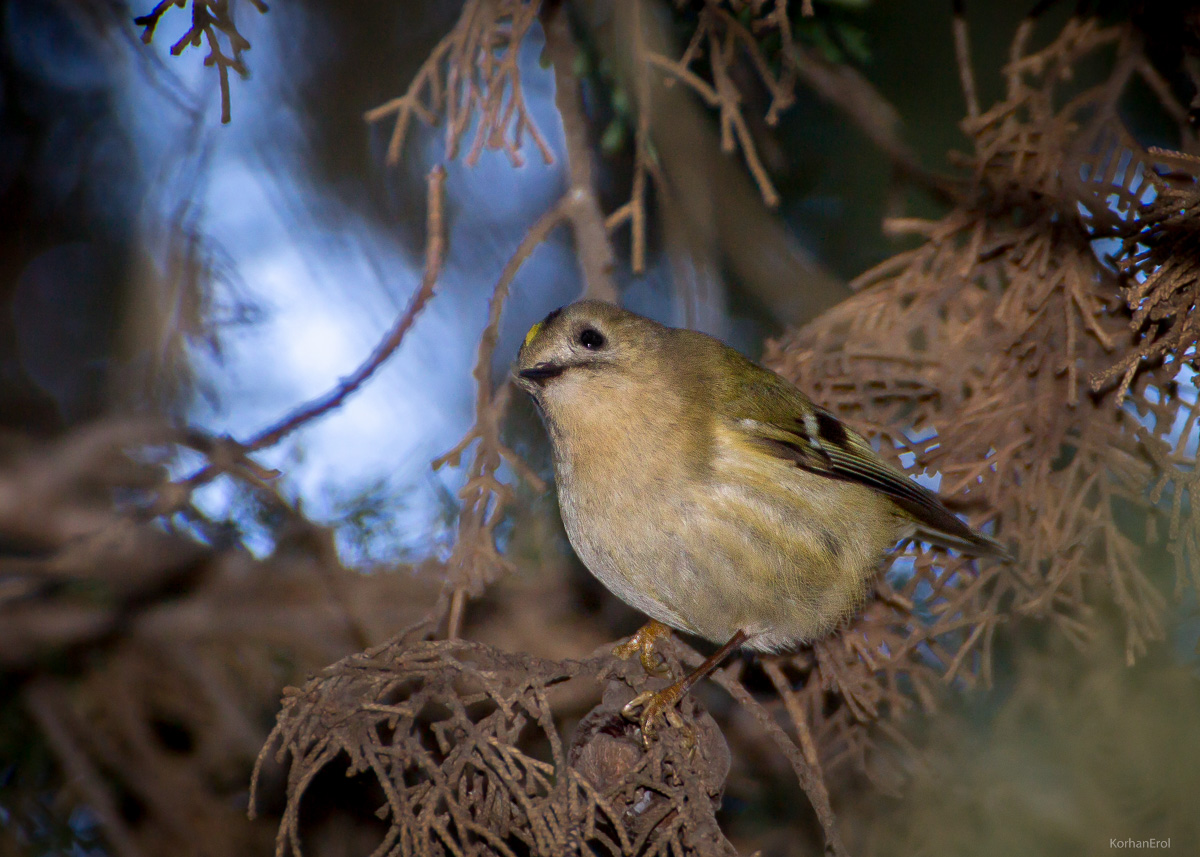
<point x="637" y="434"/>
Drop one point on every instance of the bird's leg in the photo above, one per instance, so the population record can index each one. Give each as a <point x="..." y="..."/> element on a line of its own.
<point x="643" y="644"/>
<point x="658" y="706"/>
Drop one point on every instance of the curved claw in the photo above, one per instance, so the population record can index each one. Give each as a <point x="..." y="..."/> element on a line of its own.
<point x="654" y="663"/>
<point x="643" y="644"/>
<point x="652" y="709"/>
<point x="659" y="706"/>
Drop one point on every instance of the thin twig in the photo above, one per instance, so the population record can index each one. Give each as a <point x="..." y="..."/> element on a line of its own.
<point x="962" y="54"/>
<point x="809" y="776"/>
<point x="475" y="562"/>
<point x="850" y="92"/>
<point x="795" y="710"/>
<point x="592" y="247"/>
<point x="454" y="624"/>
<point x="435" y="250"/>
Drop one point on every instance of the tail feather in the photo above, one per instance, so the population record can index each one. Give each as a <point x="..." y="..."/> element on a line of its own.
<point x="965" y="540"/>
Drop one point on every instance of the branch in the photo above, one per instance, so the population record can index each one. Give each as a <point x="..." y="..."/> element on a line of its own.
<point x="435" y="250"/>
<point x="479" y="86"/>
<point x="851" y="93"/>
<point x="209" y="19"/>
<point x="583" y="207"/>
<point x="716" y="208"/>
<point x="962" y="53"/>
<point x="475" y="562"/>
<point x="809" y="775"/>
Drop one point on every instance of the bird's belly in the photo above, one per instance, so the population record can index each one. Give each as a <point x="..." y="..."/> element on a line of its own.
<point x="632" y="560"/>
<point x="727" y="557"/>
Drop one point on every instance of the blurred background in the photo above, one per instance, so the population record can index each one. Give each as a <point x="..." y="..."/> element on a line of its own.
<point x="161" y="268"/>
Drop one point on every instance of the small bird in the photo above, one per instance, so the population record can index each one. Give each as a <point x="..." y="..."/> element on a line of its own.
<point x="711" y="494"/>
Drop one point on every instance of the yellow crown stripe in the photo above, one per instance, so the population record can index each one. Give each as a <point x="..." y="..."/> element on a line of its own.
<point x="533" y="331"/>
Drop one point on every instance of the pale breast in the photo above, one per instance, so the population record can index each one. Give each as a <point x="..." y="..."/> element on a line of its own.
<point x="619" y="523"/>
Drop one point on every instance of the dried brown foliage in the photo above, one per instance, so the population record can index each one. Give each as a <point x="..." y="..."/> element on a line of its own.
<point x="989" y="353"/>
<point x="472" y="75"/>
<point x="464" y="741"/>
<point x="729" y="36"/>
<point x="148" y="663"/>
<point x="1161" y="287"/>
<point x="984" y="343"/>
<point x="211" y="19"/>
<point x="1158" y="233"/>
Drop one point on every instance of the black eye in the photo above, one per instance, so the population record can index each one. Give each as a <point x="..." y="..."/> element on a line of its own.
<point x="591" y="339"/>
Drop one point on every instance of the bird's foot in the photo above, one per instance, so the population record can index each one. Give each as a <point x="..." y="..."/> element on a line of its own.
<point x="644" y="644"/>
<point x="652" y="709"/>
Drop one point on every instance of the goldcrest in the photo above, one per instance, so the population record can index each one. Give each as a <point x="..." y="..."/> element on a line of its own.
<point x="707" y="491"/>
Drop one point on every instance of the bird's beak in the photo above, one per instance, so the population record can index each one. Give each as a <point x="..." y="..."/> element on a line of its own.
<point x="542" y="372"/>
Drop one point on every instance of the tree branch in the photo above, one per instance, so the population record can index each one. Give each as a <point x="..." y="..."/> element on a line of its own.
<point x="435" y="251"/>
<point x="582" y="207"/>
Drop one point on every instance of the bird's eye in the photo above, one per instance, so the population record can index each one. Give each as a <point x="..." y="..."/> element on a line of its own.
<point x="591" y="339"/>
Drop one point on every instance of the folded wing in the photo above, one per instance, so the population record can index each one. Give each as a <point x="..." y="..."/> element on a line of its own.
<point x="785" y="423"/>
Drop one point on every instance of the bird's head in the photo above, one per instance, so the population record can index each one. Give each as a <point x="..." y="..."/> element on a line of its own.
<point x="587" y="346"/>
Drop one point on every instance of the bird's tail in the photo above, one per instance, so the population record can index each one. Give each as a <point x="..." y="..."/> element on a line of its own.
<point x="965" y="540"/>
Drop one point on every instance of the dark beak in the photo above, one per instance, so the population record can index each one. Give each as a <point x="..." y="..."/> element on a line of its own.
<point x="542" y="372"/>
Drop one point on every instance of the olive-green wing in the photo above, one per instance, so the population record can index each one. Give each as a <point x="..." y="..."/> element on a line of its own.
<point x="785" y="423"/>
